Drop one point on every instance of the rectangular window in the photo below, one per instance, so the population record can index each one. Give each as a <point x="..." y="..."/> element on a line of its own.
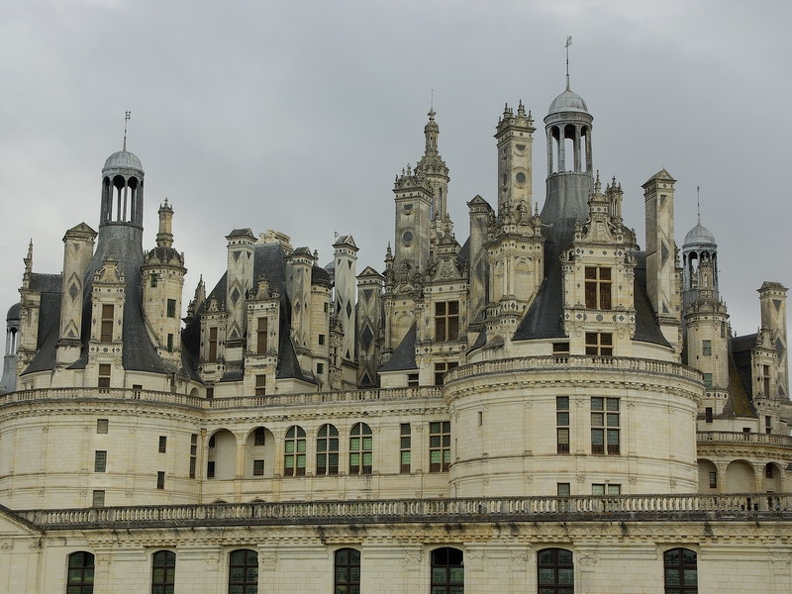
<point x="258" y="467"/>
<point x="261" y="336"/>
<point x="104" y="375"/>
<point x="212" y="355"/>
<point x="605" y="489"/>
<point x="170" y="343"/>
<point x="768" y="424"/>
<point x="412" y="380"/>
<point x="154" y="279"/>
<point x="708" y="414"/>
<point x="405" y="448"/>
<point x="598" y="287"/>
<point x="560" y="348"/>
<point x="193" y="453"/>
<point x="160" y="479"/>
<point x="136" y="390"/>
<point x="209" y="393"/>
<point x="439" y="446"/>
<point x="171" y="308"/>
<point x="708" y="381"/>
<point x="98" y="499"/>
<point x="100" y="461"/>
<point x="259" y="436"/>
<point x="605" y="426"/>
<point x="562" y="424"/>
<point x="261" y="385"/>
<point x="163" y="444"/>
<point x="713" y="480"/>
<point x="440" y="369"/>
<point x="563" y="489"/>
<point x="210" y="469"/>
<point x="321" y="339"/>
<point x="706" y="348"/>
<point x="599" y="344"/>
<point x="102" y="425"/>
<point x="107" y="323"/>
<point x="766" y="379"/>
<point x="320" y="368"/>
<point x="446" y="321"/>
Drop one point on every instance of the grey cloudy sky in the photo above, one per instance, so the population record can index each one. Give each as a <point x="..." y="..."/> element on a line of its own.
<point x="297" y="115"/>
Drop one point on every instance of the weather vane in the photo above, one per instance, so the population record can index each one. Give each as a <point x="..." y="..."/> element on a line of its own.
<point x="698" y="203"/>
<point x="127" y="115"/>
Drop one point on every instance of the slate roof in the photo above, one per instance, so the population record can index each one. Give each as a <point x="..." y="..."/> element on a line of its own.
<point x="403" y="357"/>
<point x="269" y="262"/>
<point x="544" y="319"/>
<point x="122" y="243"/>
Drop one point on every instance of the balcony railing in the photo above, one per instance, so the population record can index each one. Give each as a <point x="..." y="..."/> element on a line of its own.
<point x="270" y="400"/>
<point x="573" y="362"/>
<point x="743" y="437"/>
<point x="731" y="507"/>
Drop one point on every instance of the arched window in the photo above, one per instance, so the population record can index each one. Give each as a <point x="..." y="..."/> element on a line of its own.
<point x="327" y="450"/>
<point x="294" y="452"/>
<point x="680" y="570"/>
<point x="243" y="572"/>
<point x="347" y="572"/>
<point x="360" y="449"/>
<point x="448" y="571"/>
<point x="80" y="577"/>
<point x="556" y="571"/>
<point x="163" y="568"/>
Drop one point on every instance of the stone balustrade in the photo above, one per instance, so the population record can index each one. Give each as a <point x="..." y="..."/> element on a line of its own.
<point x="273" y="400"/>
<point x="692" y="507"/>
<point x="577" y="362"/>
<point x="743" y="437"/>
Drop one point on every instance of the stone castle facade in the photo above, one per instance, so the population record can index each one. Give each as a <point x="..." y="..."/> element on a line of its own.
<point x="545" y="407"/>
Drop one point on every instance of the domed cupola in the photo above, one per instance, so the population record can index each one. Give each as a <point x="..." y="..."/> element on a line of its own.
<point x="570" y="168"/>
<point x="568" y="101"/>
<point x="699" y="264"/>
<point x="122" y="189"/>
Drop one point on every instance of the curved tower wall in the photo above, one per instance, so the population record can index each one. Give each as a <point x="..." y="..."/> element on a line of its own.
<point x="526" y="426"/>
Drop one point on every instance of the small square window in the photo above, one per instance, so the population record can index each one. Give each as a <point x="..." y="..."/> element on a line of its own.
<point x="98" y="499"/>
<point x="102" y="425"/>
<point x="563" y="489"/>
<point x="258" y="467"/>
<point x="412" y="380"/>
<point x="163" y="444"/>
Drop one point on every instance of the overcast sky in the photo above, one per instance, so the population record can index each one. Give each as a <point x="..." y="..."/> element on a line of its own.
<point x="297" y="116"/>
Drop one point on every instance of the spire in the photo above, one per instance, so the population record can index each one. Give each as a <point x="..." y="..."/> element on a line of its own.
<point x="568" y="43"/>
